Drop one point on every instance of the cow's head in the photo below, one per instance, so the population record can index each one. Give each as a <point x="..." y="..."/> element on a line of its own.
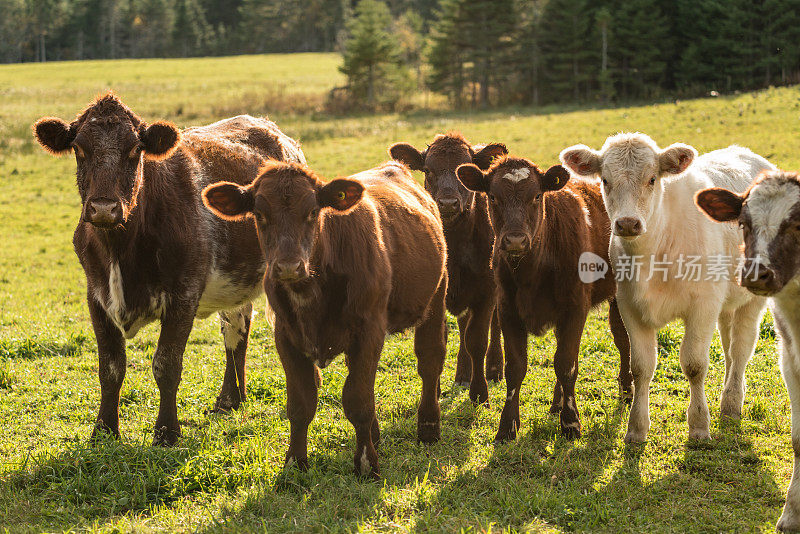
<point x="517" y="190"/>
<point x="110" y="144"/>
<point x="769" y="215"/>
<point x="631" y="167"/>
<point x="439" y="163"/>
<point x="285" y="201"/>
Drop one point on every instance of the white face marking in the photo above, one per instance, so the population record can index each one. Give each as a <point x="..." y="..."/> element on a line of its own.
<point x="517" y="175"/>
<point x="770" y="203"/>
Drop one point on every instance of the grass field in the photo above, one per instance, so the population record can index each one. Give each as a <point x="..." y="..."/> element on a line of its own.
<point x="226" y="473"/>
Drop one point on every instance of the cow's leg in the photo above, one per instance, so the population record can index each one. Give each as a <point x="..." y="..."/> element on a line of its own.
<point x="430" y="346"/>
<point x="463" y="360"/>
<point x="358" y="397"/>
<point x="694" y="362"/>
<point x="515" y="338"/>
<point x="565" y="362"/>
<point x="790" y="518"/>
<point x="235" y="326"/>
<point x="494" y="356"/>
<point x="111" y="369"/>
<point x="644" y="357"/>
<point x="477" y="338"/>
<point x="724" y="325"/>
<point x="168" y="367"/>
<point x="558" y="399"/>
<point x="625" y="377"/>
<point x="302" y="383"/>
<point x="744" y="334"/>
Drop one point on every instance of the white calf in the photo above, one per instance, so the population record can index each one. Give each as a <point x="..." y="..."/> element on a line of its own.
<point x="672" y="262"/>
<point x="769" y="213"/>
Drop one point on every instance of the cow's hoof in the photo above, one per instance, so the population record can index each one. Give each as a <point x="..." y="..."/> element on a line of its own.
<point x="293" y="461"/>
<point x="494" y="374"/>
<point x="789" y="521"/>
<point x="555" y="409"/>
<point x="571" y="431"/>
<point x="102" y="431"/>
<point x="223" y="408"/>
<point x="700" y="434"/>
<point x="164" y="437"/>
<point x="506" y="434"/>
<point x="366" y="465"/>
<point x="428" y="431"/>
<point x="730" y="413"/>
<point x="633" y="437"/>
<point x="479" y="395"/>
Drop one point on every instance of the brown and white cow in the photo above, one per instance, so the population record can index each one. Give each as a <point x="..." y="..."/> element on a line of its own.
<point x="150" y="249"/>
<point x="545" y="227"/>
<point x="769" y="215"/>
<point x="469" y="235"/>
<point x="347" y="263"/>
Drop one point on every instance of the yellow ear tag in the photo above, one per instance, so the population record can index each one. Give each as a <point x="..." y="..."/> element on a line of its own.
<point x="341" y="195"/>
<point x="557" y="180"/>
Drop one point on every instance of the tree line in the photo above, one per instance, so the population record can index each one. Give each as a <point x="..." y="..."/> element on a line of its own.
<point x="476" y="52"/>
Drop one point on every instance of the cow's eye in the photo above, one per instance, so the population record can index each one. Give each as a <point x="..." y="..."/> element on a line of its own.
<point x="79" y="151"/>
<point x="260" y="218"/>
<point x="135" y="151"/>
<point x="538" y="197"/>
<point x="652" y="181"/>
<point x="605" y="182"/>
<point x="313" y="214"/>
<point x="492" y="198"/>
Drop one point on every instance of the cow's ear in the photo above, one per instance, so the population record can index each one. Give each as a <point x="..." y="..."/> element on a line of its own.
<point x="719" y="204"/>
<point x="472" y="177"/>
<point x="55" y="135"/>
<point x="229" y="201"/>
<point x="581" y="160"/>
<point x="676" y="158"/>
<point x="160" y="139"/>
<point x="484" y="156"/>
<point x="340" y="194"/>
<point x="407" y="155"/>
<point x="555" y="178"/>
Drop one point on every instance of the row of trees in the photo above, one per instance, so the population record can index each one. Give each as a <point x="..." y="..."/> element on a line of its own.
<point x="45" y="30"/>
<point x="477" y="52"/>
<point x="483" y="52"/>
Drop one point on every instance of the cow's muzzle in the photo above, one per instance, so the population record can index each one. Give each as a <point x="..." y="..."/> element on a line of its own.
<point x="759" y="278"/>
<point x="515" y="243"/>
<point x="289" y="271"/>
<point x="628" y="227"/>
<point x="104" y="213"/>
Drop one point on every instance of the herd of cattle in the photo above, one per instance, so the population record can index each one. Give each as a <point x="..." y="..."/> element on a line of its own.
<point x="180" y="224"/>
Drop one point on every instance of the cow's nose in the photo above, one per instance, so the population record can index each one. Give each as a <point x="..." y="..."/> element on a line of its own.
<point x="104" y="213"/>
<point x="628" y="227"/>
<point x="758" y="277"/>
<point x="448" y="205"/>
<point x="289" y="271"/>
<point x="515" y="243"/>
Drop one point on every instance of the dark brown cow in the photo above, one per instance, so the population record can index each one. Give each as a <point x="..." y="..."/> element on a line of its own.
<point x="545" y="227"/>
<point x="468" y="232"/>
<point x="149" y="248"/>
<point x="341" y="282"/>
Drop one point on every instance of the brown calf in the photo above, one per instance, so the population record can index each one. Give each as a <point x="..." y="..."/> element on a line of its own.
<point x="149" y="248"/>
<point x="468" y="232"/>
<point x="347" y="263"/>
<point x="543" y="225"/>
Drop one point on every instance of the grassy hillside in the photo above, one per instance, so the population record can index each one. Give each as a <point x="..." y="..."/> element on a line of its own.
<point x="226" y="474"/>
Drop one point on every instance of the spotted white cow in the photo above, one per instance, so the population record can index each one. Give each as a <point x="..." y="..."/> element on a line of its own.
<point x="671" y="263"/>
<point x="769" y="214"/>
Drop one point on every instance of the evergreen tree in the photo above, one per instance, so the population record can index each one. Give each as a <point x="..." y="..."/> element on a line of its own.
<point x="191" y="30"/>
<point x="571" y="57"/>
<point x="372" y="57"/>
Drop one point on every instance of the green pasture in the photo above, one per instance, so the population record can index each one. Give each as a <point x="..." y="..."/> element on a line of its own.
<point x="226" y="473"/>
